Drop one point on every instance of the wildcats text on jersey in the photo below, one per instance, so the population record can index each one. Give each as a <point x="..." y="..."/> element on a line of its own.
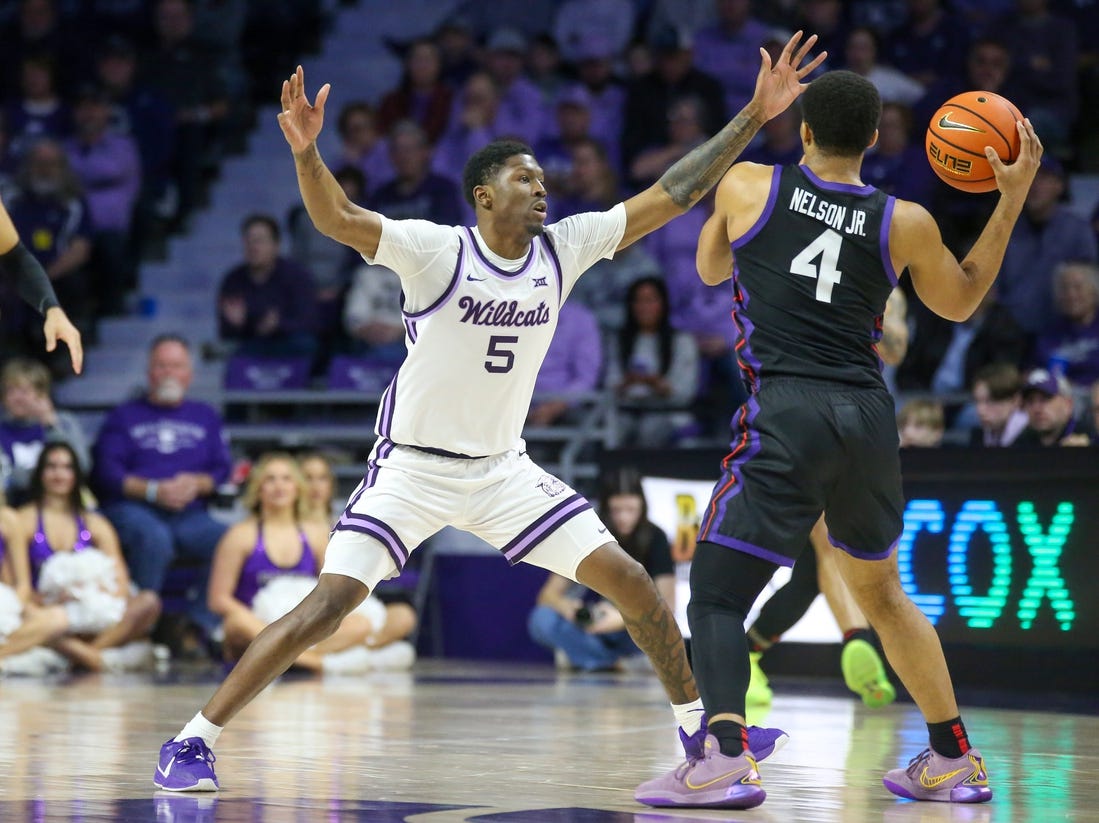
<point x="504" y="313"/>
<point x="811" y="205"/>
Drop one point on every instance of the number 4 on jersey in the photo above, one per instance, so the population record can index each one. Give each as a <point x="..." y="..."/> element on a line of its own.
<point x="827" y="248"/>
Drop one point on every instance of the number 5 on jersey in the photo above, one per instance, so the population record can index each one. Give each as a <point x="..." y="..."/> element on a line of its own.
<point x="502" y="359"/>
<point x="827" y="248"/>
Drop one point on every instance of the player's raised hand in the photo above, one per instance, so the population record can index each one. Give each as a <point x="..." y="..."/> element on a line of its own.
<point x="779" y="85"/>
<point x="59" y="327"/>
<point x="1014" y="179"/>
<point x="301" y="120"/>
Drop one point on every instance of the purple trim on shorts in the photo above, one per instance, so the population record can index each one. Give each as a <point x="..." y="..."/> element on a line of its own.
<point x="847" y="188"/>
<point x="384" y="449"/>
<point x="772" y="197"/>
<point x="883" y="239"/>
<point x="556" y="268"/>
<point x="385" y="413"/>
<point x="499" y="271"/>
<point x="447" y="292"/>
<point x="735" y="468"/>
<point x="748" y="548"/>
<point x="364" y="524"/>
<point x="743" y="348"/>
<point x="522" y="544"/>
<point x="860" y="555"/>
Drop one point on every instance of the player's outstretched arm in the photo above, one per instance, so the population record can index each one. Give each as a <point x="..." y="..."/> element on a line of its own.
<point x="951" y="289"/>
<point x="33" y="285"/>
<point x="688" y="181"/>
<point x="329" y="208"/>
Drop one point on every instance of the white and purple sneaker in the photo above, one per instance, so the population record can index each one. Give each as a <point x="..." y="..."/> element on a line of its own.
<point x="186" y="766"/>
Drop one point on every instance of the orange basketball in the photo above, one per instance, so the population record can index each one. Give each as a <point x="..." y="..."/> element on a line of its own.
<point x="959" y="132"/>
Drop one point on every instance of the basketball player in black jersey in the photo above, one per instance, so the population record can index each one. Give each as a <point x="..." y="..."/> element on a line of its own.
<point x="813" y="254"/>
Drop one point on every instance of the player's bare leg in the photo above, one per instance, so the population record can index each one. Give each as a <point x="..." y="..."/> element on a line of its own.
<point x="625" y="583"/>
<point x="909" y="640"/>
<point x="277" y="647"/>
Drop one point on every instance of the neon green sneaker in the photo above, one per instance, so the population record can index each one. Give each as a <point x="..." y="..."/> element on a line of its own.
<point x="759" y="688"/>
<point x="864" y="674"/>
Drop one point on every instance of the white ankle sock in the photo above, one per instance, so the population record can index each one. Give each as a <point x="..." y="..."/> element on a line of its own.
<point x="689" y="715"/>
<point x="200" y="727"/>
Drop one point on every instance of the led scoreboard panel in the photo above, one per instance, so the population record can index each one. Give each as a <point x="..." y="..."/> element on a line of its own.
<point x="1000" y="547"/>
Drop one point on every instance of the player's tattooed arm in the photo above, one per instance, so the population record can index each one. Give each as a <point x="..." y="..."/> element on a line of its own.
<point x="694" y="175"/>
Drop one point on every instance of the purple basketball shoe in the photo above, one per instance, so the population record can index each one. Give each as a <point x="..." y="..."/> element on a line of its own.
<point x="930" y="776"/>
<point x="712" y="781"/>
<point x="186" y="766"/>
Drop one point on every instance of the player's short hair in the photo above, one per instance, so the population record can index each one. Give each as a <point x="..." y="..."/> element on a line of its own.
<point x="842" y="109"/>
<point x="486" y="164"/>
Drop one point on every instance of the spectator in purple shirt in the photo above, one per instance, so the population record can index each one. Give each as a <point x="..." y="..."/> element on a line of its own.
<point x="267" y="304"/>
<point x="109" y="169"/>
<point x="594" y="58"/>
<point x="142" y="114"/>
<point x="1048" y="233"/>
<point x="48" y="210"/>
<point x="38" y="111"/>
<point x="473" y="124"/>
<point x="416" y="193"/>
<point x="362" y="144"/>
<point x="729" y="50"/>
<point x="158" y="459"/>
<point x="573" y="365"/>
<point x="520" y="112"/>
<point x="573" y="127"/>
<point x="1071" y="344"/>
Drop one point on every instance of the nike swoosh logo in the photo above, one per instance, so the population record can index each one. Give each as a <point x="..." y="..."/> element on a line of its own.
<point x="933" y="782"/>
<point x="946" y="123"/>
<point x="473" y="279"/>
<point x="602" y="530"/>
<point x="718" y="779"/>
<point x="170" y="764"/>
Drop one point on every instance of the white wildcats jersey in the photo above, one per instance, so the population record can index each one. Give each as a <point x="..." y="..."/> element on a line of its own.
<point x="477" y="333"/>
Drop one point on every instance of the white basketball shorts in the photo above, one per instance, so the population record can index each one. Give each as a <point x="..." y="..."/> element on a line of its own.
<point x="408" y="495"/>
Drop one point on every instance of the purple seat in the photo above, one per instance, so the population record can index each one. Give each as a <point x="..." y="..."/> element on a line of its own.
<point x="248" y="373"/>
<point x="360" y="374"/>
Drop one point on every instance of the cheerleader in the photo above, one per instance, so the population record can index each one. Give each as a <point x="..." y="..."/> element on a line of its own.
<point x="266" y="564"/>
<point x="71" y="577"/>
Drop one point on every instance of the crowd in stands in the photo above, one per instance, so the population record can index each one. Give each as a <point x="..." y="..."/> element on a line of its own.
<point x="609" y="107"/>
<point x="107" y="135"/>
<point x="89" y="555"/>
<point x="113" y="119"/>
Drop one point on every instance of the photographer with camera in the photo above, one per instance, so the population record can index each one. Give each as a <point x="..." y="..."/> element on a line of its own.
<point x="585" y="631"/>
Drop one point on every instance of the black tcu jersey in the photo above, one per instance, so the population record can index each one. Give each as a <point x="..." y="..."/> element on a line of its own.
<point x="811" y="280"/>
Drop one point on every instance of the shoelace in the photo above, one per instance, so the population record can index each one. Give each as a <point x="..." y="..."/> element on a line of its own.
<point x="189" y="753"/>
<point x="917" y="762"/>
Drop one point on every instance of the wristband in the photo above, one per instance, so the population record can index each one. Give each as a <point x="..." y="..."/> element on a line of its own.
<point x="31" y="281"/>
<point x="151" y="489"/>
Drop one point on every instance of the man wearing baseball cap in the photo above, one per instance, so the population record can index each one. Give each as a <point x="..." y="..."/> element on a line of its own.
<point x="1048" y="403"/>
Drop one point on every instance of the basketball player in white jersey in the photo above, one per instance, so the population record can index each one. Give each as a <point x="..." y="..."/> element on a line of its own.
<point x="480" y="307"/>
